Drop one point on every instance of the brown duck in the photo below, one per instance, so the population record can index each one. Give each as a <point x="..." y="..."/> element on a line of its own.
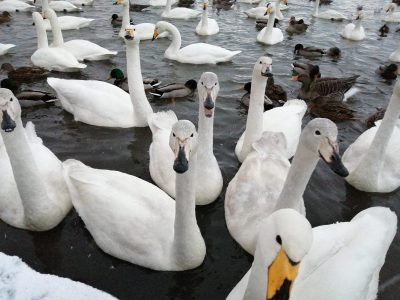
<point x="275" y="92"/>
<point x="296" y="26"/>
<point x="329" y="107"/>
<point x="5" y="17"/>
<point x="378" y="115"/>
<point x="24" y="74"/>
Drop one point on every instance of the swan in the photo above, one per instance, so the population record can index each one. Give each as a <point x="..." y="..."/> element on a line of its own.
<point x="206" y="25"/>
<point x="33" y="194"/>
<point x="395" y="55"/>
<point x="134" y="220"/>
<point x="343" y="261"/>
<point x="353" y="31"/>
<point x="285" y="119"/>
<point x="53" y="58"/>
<point x="373" y="160"/>
<point x="259" y="12"/>
<point x="144" y="31"/>
<point x="198" y="53"/>
<point x="329" y="14"/>
<point x="162" y="158"/>
<point x="63" y="6"/>
<point x="80" y="49"/>
<point x="4" y="48"/>
<point x="158" y="3"/>
<point x="393" y="15"/>
<point x="250" y="198"/>
<point x="22" y="282"/>
<point x="270" y="35"/>
<point x="81" y="2"/>
<point x="102" y="104"/>
<point x="15" y="5"/>
<point x="179" y="12"/>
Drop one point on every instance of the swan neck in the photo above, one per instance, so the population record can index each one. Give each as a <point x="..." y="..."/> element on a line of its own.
<point x="41" y="35"/>
<point x="45" y="5"/>
<point x="206" y="131"/>
<point x="270" y="25"/>
<point x="125" y="18"/>
<point x="168" y="6"/>
<point x="56" y="30"/>
<point x="204" y="19"/>
<point x="176" y="40"/>
<point x="358" y="24"/>
<point x="316" y="8"/>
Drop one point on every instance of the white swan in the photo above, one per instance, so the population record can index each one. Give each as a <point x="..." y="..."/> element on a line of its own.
<point x="373" y="159"/>
<point x="285" y="119"/>
<point x="4" y="48"/>
<point x="353" y="31"/>
<point x="329" y="14"/>
<point x="209" y="175"/>
<point x="206" y="25"/>
<point x="22" y="282"/>
<point x="134" y="220"/>
<point x="54" y="58"/>
<point x="80" y="49"/>
<point x="102" y="104"/>
<point x="343" y="262"/>
<point x="63" y="6"/>
<point x="270" y="35"/>
<point x="393" y="15"/>
<point x="33" y="193"/>
<point x="179" y="12"/>
<point x="159" y="3"/>
<point x="15" y="5"/>
<point x="198" y="53"/>
<point x="250" y="198"/>
<point x="81" y="2"/>
<point x="259" y="12"/>
<point x="144" y="31"/>
<point x="395" y="55"/>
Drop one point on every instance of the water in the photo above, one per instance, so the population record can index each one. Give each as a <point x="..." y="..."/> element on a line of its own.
<point x="70" y="251"/>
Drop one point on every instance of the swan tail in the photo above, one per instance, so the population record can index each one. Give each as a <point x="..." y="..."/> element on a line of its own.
<point x="31" y="133"/>
<point x="78" y="171"/>
<point x="350" y="93"/>
<point x="163" y="120"/>
<point x="104" y="56"/>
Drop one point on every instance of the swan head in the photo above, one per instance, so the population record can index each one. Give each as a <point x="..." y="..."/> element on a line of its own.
<point x="360" y="13"/>
<point x="49" y="13"/>
<point x="391" y="8"/>
<point x="320" y="138"/>
<point x="205" y="4"/>
<point x="121" y="2"/>
<point x="10" y="110"/>
<point x="263" y="67"/>
<point x="208" y="89"/>
<point x="160" y="27"/>
<point x="37" y="18"/>
<point x="130" y="35"/>
<point x="183" y="142"/>
<point x="270" y="9"/>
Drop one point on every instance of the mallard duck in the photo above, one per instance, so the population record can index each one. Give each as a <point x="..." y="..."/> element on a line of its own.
<point x="116" y="20"/>
<point x="384" y="30"/>
<point x="245" y="100"/>
<point x="24" y="74"/>
<point x="122" y="82"/>
<point x="311" y="51"/>
<point x="175" y="90"/>
<point x="296" y="26"/>
<point x="185" y="3"/>
<point x="137" y="7"/>
<point x="275" y="92"/>
<point x="334" y="52"/>
<point x="5" y="17"/>
<point x="378" y="115"/>
<point x="331" y="107"/>
<point x="305" y="68"/>
<point x="389" y="72"/>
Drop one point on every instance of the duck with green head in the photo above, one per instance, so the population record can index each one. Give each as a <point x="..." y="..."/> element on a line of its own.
<point x="122" y="82"/>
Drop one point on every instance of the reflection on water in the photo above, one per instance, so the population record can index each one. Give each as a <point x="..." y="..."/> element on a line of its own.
<point x="69" y="249"/>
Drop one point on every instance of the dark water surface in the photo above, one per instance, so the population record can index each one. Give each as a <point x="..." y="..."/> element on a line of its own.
<point x="70" y="251"/>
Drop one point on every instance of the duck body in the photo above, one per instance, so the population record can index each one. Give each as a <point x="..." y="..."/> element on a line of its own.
<point x="24" y="74"/>
<point x="310" y="51"/>
<point x="275" y="92"/>
<point x="122" y="82"/>
<point x="4" y="48"/>
<point x="296" y="26"/>
<point x="332" y="109"/>
<point x="389" y="72"/>
<point x="5" y="17"/>
<point x="15" y="5"/>
<point x="175" y="90"/>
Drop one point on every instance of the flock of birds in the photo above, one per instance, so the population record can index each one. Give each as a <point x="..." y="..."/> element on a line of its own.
<point x="154" y="225"/>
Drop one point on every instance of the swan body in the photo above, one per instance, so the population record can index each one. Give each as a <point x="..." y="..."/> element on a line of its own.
<point x="54" y="58"/>
<point x="15" y="5"/>
<point x="80" y="49"/>
<point x="63" y="6"/>
<point x="34" y="195"/>
<point x="69" y="23"/>
<point x="373" y="160"/>
<point x="4" y="48"/>
<point x="392" y="16"/>
<point x="81" y="2"/>
<point x="102" y="104"/>
<point x="206" y="25"/>
<point x="159" y="3"/>
<point x="162" y="158"/>
<point x="119" y="209"/>
<point x="179" y="12"/>
<point x="395" y="55"/>
<point x="353" y="31"/>
<point x="270" y="35"/>
<point x="250" y="198"/>
<point x="198" y="53"/>
<point x="329" y="14"/>
<point x="343" y="262"/>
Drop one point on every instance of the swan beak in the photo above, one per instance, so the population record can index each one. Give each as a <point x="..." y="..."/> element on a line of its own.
<point x="329" y="152"/>
<point x="7" y="124"/>
<point x="285" y="2"/>
<point x="155" y="34"/>
<point x="118" y="2"/>
<point x="129" y="33"/>
<point x="281" y="275"/>
<point x="209" y="105"/>
<point x="267" y="72"/>
<point x="181" y="163"/>
<point x="269" y="11"/>
<point x="205" y="5"/>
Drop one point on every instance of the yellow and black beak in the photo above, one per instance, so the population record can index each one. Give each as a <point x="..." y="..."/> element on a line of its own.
<point x="281" y="275"/>
<point x="285" y="2"/>
<point x="129" y="33"/>
<point x="205" y="5"/>
<point x="269" y="10"/>
<point x="118" y="2"/>
<point x="155" y="34"/>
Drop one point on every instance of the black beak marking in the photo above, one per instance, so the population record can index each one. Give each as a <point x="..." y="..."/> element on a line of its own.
<point x="181" y="164"/>
<point x="209" y="103"/>
<point x="336" y="164"/>
<point x="128" y="37"/>
<point x="267" y="73"/>
<point x="8" y="124"/>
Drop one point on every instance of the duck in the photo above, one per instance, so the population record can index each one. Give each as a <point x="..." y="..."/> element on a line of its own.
<point x="81" y="2"/>
<point x="80" y="49"/>
<point x="102" y="196"/>
<point x="249" y="198"/>
<point x="301" y="263"/>
<point x="34" y="195"/>
<point x="4" y="48"/>
<point x="305" y="68"/>
<point x="389" y="72"/>
<point x="275" y="92"/>
<point x="286" y="119"/>
<point x="24" y="74"/>
<point x="122" y="82"/>
<point x="392" y="15"/>
<point x="310" y="51"/>
<point x="206" y="25"/>
<point x="334" y="52"/>
<point x="270" y="35"/>
<point x="102" y="104"/>
<point x="137" y="7"/>
<point x="15" y="5"/>
<point x="161" y="158"/>
<point x="179" y="12"/>
<point x="160" y="3"/>
<point x="245" y="100"/>
<point x="116" y="20"/>
<point x="330" y="14"/>
<point x="185" y="3"/>
<point x="384" y="30"/>
<point x="378" y="115"/>
<point x="5" y="17"/>
<point x="296" y="26"/>
<point x="52" y="58"/>
<point x="331" y="108"/>
<point x="373" y="160"/>
<point x="355" y="32"/>
<point x="175" y="90"/>
<point x="63" y="6"/>
<point x="394" y="56"/>
<point x="197" y="53"/>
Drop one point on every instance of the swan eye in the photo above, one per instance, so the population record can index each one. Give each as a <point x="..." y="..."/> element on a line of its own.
<point x="216" y="83"/>
<point x="11" y="99"/>
<point x="202" y="83"/>
<point x="191" y="135"/>
<point x="279" y="240"/>
<point x="260" y="62"/>
<point x="317" y="132"/>
<point x="173" y="134"/>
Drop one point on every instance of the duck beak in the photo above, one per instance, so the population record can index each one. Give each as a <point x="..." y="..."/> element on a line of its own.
<point x="295" y="78"/>
<point x="281" y="275"/>
<point x="155" y="34"/>
<point x="181" y="163"/>
<point x="7" y="124"/>
<point x="109" y="78"/>
<point x="329" y="152"/>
